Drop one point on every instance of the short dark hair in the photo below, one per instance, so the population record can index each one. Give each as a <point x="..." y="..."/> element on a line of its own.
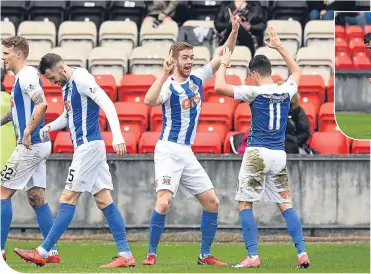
<point x="49" y="61"/>
<point x="18" y="42"/>
<point x="261" y="64"/>
<point x="367" y="38"/>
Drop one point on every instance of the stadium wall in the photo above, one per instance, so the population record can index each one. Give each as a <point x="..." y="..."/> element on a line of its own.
<point x="327" y="191"/>
<point x="352" y="91"/>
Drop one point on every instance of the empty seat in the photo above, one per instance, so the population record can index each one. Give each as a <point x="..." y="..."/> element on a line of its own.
<point x="314" y="61"/>
<point x="326" y="117"/>
<point x="73" y="58"/>
<point x="8" y="82"/>
<point x="201" y="57"/>
<point x="240" y="59"/>
<point x="339" y="31"/>
<point x="133" y="117"/>
<point x="330" y="90"/>
<point x="330" y="143"/>
<point x="357" y="44"/>
<point x="359" y="146"/>
<point x="289" y="31"/>
<point x="108" y="84"/>
<point x="361" y="62"/>
<point x="127" y="11"/>
<point x="312" y="90"/>
<point x="156" y="118"/>
<point x="34" y="57"/>
<point x="163" y="36"/>
<point x="205" y="10"/>
<point x="227" y="141"/>
<point x="133" y="87"/>
<point x="207" y="142"/>
<point x="13" y="11"/>
<point x="353" y="31"/>
<point x="119" y="34"/>
<point x="52" y="11"/>
<point x="78" y="35"/>
<point x="311" y="114"/>
<point x="144" y="60"/>
<point x="341" y="45"/>
<point x="319" y="34"/>
<point x="148" y="142"/>
<point x="91" y="10"/>
<point x="131" y="144"/>
<point x="216" y="118"/>
<point x="343" y="62"/>
<point x="54" y="110"/>
<point x="40" y="35"/>
<point x="279" y="66"/>
<point x="63" y="143"/>
<point x="7" y="29"/>
<point x="108" y="61"/>
<point x="242" y="117"/>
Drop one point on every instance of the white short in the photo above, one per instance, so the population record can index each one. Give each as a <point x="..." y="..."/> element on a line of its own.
<point x="177" y="166"/>
<point x="89" y="171"/>
<point x="263" y="174"/>
<point x="26" y="168"/>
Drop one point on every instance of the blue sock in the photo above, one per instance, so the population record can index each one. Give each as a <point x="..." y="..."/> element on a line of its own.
<point x="117" y="226"/>
<point x="293" y="224"/>
<point x="209" y="225"/>
<point x="6" y="219"/>
<point x="60" y="225"/>
<point x="249" y="231"/>
<point x="44" y="219"/>
<point x="156" y="228"/>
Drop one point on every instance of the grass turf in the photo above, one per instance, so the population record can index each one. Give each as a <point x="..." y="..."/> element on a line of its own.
<point x="182" y="257"/>
<point x="355" y="125"/>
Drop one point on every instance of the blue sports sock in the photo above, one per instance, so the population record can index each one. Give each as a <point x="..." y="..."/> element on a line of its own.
<point x="249" y="231"/>
<point x="209" y="225"/>
<point x="6" y="219"/>
<point x="117" y="226"/>
<point x="60" y="225"/>
<point x="44" y="219"/>
<point x="293" y="224"/>
<point x="156" y="228"/>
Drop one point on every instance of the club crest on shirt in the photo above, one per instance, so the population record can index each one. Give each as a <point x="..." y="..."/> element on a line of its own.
<point x="193" y="87"/>
<point x="166" y="180"/>
<point x="67" y="105"/>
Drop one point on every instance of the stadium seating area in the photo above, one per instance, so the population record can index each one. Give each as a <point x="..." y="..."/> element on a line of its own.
<point x="124" y="55"/>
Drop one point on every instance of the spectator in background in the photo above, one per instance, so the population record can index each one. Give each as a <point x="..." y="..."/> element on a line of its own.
<point x="253" y="23"/>
<point x="159" y="11"/>
<point x="368" y="17"/>
<point x="321" y="10"/>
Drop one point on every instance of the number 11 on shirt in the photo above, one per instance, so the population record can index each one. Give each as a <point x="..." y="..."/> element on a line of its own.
<point x="271" y="116"/>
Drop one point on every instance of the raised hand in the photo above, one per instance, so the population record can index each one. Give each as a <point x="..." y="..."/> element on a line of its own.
<point x="120" y="148"/>
<point x="226" y="57"/>
<point x="273" y="41"/>
<point x="169" y="63"/>
<point x="45" y="130"/>
<point x="235" y="21"/>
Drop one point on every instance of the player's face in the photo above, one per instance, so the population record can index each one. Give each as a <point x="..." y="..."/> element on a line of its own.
<point x="57" y="76"/>
<point x="368" y="44"/>
<point x="10" y="57"/>
<point x="184" y="62"/>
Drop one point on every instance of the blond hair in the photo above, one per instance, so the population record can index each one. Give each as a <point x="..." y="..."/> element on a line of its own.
<point x="178" y="47"/>
<point x="18" y="42"/>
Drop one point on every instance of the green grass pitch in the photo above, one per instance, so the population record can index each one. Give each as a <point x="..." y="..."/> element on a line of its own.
<point x="181" y="257"/>
<point x="355" y="125"/>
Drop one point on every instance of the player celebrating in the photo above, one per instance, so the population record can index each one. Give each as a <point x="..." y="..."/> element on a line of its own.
<point x="26" y="167"/>
<point x="175" y="164"/>
<point x="89" y="171"/>
<point x="263" y="172"/>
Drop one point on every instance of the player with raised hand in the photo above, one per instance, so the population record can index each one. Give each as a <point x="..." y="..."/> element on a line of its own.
<point x="263" y="172"/>
<point x="89" y="171"/>
<point x="26" y="168"/>
<point x="176" y="166"/>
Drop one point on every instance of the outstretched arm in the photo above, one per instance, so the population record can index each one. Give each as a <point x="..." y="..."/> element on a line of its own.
<point x="7" y="117"/>
<point x="221" y="85"/>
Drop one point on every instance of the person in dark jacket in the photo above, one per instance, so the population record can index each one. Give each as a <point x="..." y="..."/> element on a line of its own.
<point x="253" y="23"/>
<point x="297" y="130"/>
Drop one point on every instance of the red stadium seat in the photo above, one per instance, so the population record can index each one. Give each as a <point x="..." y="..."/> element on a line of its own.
<point x="8" y="82"/>
<point x="250" y="82"/>
<point x="330" y="143"/>
<point x="339" y="31"/>
<point x="216" y="118"/>
<point x="354" y="31"/>
<point x="54" y="110"/>
<point x="343" y="62"/>
<point x="156" y="118"/>
<point x="207" y="142"/>
<point x="312" y="90"/>
<point x="133" y="87"/>
<point x="148" y="142"/>
<point x="227" y="141"/>
<point x="209" y="85"/>
<point x="242" y="117"/>
<point x="330" y="90"/>
<point x="63" y="143"/>
<point x="131" y="145"/>
<point x="311" y="114"/>
<point x="102" y="120"/>
<point x="367" y="28"/>
<point x="108" y="84"/>
<point x="341" y="45"/>
<point x="357" y="45"/>
<point x="326" y="118"/>
<point x="361" y="62"/>
<point x="132" y="115"/>
<point x="221" y="99"/>
<point x="359" y="146"/>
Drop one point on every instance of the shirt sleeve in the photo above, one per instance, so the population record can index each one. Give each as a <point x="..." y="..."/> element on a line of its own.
<point x="204" y="73"/>
<point x="165" y="92"/>
<point x="291" y="87"/>
<point x="30" y="83"/>
<point x="245" y="93"/>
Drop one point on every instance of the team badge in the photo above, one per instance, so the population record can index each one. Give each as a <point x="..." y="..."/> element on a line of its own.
<point x="166" y="180"/>
<point x="193" y="87"/>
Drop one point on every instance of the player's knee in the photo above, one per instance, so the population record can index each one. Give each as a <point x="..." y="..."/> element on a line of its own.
<point x="36" y="196"/>
<point x="163" y="204"/>
<point x="212" y="204"/>
<point x="69" y="197"/>
<point x="6" y="193"/>
<point x="103" y="198"/>
<point x="244" y="205"/>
